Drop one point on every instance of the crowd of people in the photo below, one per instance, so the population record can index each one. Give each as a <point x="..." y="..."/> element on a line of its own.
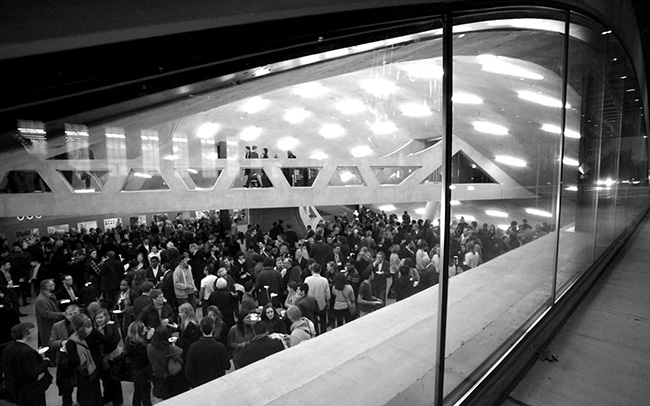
<point x="133" y="313"/>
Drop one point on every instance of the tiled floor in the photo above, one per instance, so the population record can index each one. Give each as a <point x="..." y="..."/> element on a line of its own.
<point x="603" y="350"/>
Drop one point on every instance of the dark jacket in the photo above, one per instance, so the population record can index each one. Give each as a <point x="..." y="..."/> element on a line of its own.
<point x="260" y="348"/>
<point x="207" y="359"/>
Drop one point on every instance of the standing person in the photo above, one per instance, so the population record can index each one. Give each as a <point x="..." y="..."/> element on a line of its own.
<point x="135" y="348"/>
<point x="9" y="286"/>
<point x="225" y="301"/>
<point x="267" y="283"/>
<point x="380" y="269"/>
<point x="154" y="273"/>
<point x="207" y="358"/>
<point x="61" y="331"/>
<point x="261" y="346"/>
<point x="84" y="362"/>
<point x="366" y="302"/>
<point x="159" y="352"/>
<point x="302" y="328"/>
<point x="22" y="366"/>
<point x="343" y="299"/>
<point x="111" y="273"/>
<point x="47" y="311"/>
<point x="188" y="327"/>
<point x="158" y="313"/>
<point x="239" y="337"/>
<point x="109" y="351"/>
<point x="68" y="292"/>
<point x="319" y="288"/>
<point x="307" y="304"/>
<point x="184" y="288"/>
<point x="167" y="285"/>
<point x="207" y="287"/>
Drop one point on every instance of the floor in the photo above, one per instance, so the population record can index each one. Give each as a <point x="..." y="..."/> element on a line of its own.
<point x="603" y="351"/>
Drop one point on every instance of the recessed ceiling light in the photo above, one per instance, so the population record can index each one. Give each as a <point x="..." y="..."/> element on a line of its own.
<point x="537" y="212"/>
<point x="541" y="99"/>
<point x="454" y="203"/>
<point x="471" y="188"/>
<point x="388" y="207"/>
<point x="570" y="161"/>
<point x="489" y="128"/>
<point x="495" y="64"/>
<point x="287" y="143"/>
<point x="361" y="151"/>
<point x="429" y="69"/>
<point x="510" y="160"/>
<point x="332" y="131"/>
<point x="557" y="130"/>
<point x="254" y="105"/>
<point x="383" y="128"/>
<point x="350" y="106"/>
<point x="378" y="87"/>
<point x="296" y="115"/>
<point x="415" y="110"/>
<point x="208" y="130"/>
<point x="319" y="155"/>
<point x="250" y="133"/>
<point x="466" y="98"/>
<point x="310" y="90"/>
<point x="170" y="157"/>
<point x="496" y="213"/>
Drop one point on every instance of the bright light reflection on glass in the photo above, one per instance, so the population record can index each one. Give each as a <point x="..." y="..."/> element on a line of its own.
<point x="557" y="130"/>
<point x="496" y="213"/>
<point x="570" y="161"/>
<point x="350" y="106"/>
<point x="361" y="151"/>
<point x="378" y="87"/>
<point x="208" y="130"/>
<point x="489" y="128"/>
<point x="466" y="217"/>
<point x="250" y="133"/>
<point x="572" y="188"/>
<point x="310" y="90"/>
<point x="466" y="98"/>
<point x="510" y="160"/>
<point x="422" y="69"/>
<point x="537" y="212"/>
<point x="84" y="191"/>
<point x="541" y="99"/>
<point x="415" y="110"/>
<point x="296" y="115"/>
<point x="254" y="105"/>
<point x="383" y="128"/>
<point x="606" y="182"/>
<point x="388" y="207"/>
<point x="346" y="176"/>
<point x="495" y="64"/>
<point x="332" y="131"/>
<point x="420" y="211"/>
<point x="454" y="203"/>
<point x="171" y="157"/>
<point x="142" y="175"/>
<point x="319" y="155"/>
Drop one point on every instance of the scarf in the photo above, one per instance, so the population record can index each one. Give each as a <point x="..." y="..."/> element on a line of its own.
<point x="86" y="361"/>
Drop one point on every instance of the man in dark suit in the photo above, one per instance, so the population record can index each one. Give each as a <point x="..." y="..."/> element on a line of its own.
<point x="23" y="365"/>
<point x="197" y="262"/>
<point x="111" y="273"/>
<point x="61" y="331"/>
<point x="154" y="273"/>
<point x="260" y="347"/>
<point x="9" y="286"/>
<point x="269" y="281"/>
<point x="158" y="313"/>
<point x="67" y="293"/>
<point x="381" y="270"/>
<point x="47" y="311"/>
<point x="143" y="300"/>
<point x="320" y="250"/>
<point x="207" y="358"/>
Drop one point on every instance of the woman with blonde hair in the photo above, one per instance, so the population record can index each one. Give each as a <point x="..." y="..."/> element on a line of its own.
<point x="188" y="327"/>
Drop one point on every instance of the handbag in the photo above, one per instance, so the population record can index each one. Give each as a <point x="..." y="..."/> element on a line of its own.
<point x="352" y="308"/>
<point x="173" y="367"/>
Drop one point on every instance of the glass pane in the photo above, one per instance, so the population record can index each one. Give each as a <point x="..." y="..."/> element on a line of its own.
<point x="393" y="175"/>
<point x="505" y="176"/>
<point x="252" y="178"/>
<point x="86" y="181"/>
<point x="300" y="177"/>
<point x="23" y="182"/>
<point x="347" y="176"/>
<point x="143" y="180"/>
<point x="200" y="179"/>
